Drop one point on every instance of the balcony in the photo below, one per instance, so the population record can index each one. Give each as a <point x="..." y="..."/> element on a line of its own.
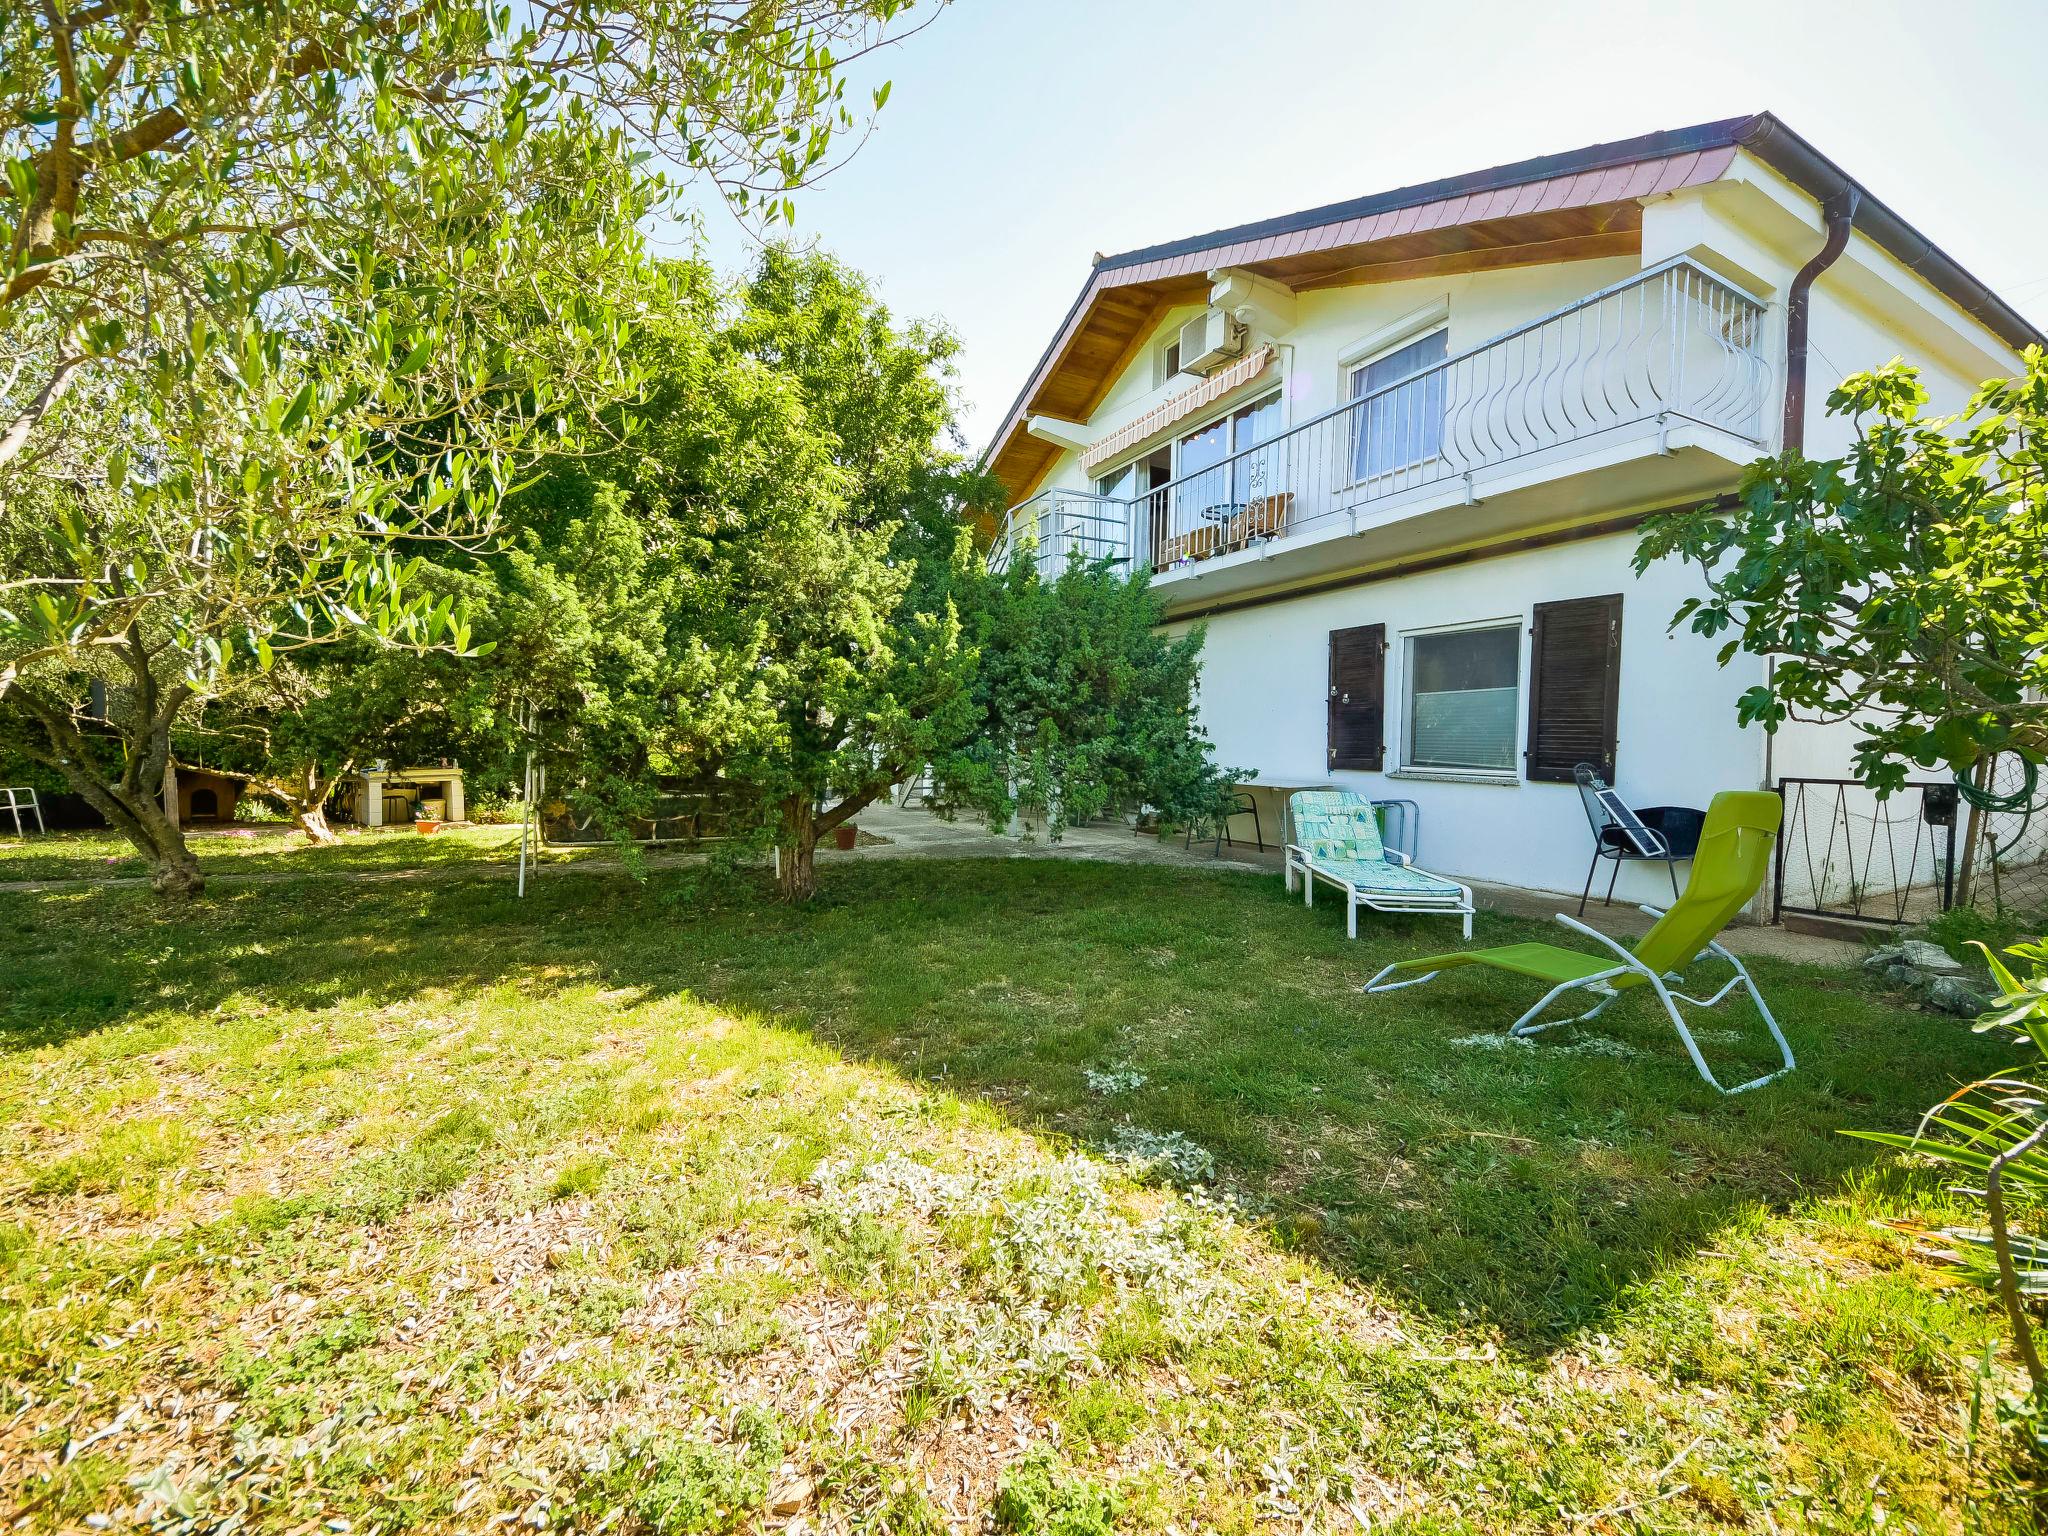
<point x="1653" y="388"/>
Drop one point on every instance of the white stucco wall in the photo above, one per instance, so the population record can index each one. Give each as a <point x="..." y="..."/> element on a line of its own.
<point x="1865" y="311"/>
<point x="1264" y="702"/>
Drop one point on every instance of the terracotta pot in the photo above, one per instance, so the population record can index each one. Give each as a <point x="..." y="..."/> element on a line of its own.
<point x="845" y="837"/>
<point x="426" y="828"/>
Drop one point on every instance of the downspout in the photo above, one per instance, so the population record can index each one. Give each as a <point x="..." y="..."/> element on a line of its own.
<point x="1839" y="209"/>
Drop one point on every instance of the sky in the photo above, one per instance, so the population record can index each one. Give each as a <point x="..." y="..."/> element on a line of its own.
<point x="1023" y="136"/>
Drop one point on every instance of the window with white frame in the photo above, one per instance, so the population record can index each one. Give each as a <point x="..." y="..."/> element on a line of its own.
<point x="1402" y="424"/>
<point x="1166" y="359"/>
<point x="1462" y="709"/>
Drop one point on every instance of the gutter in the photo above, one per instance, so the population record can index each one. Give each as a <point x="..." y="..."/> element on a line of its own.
<point x="1766" y="137"/>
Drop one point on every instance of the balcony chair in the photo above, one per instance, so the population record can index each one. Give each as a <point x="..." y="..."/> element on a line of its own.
<point x="1740" y="829"/>
<point x="1337" y="840"/>
<point x="1667" y="832"/>
<point x="1195" y="544"/>
<point x="1264" y="517"/>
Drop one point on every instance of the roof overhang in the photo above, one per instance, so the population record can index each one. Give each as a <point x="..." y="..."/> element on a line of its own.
<point x="1579" y="205"/>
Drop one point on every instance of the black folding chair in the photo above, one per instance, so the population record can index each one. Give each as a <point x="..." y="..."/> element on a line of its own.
<point x="1241" y="803"/>
<point x="1620" y="834"/>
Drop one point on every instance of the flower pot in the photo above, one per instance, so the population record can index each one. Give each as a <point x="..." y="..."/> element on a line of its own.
<point x="426" y="828"/>
<point x="844" y="837"/>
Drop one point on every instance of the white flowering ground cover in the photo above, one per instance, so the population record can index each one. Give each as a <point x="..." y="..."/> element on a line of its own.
<point x="997" y="1196"/>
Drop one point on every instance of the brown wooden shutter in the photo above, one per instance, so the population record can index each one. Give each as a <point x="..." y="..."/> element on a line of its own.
<point x="1358" y="695"/>
<point x="1574" y="688"/>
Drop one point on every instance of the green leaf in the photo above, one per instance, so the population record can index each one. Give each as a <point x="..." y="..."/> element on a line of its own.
<point x="295" y="413"/>
<point x="417" y="358"/>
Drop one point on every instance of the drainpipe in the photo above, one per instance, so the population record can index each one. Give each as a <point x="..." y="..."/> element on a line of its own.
<point x="1839" y="209"/>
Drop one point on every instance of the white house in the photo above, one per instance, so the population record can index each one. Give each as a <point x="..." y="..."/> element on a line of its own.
<point x="1394" y="453"/>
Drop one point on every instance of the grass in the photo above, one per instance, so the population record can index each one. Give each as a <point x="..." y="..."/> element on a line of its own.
<point x="661" y="1207"/>
<point x="271" y="848"/>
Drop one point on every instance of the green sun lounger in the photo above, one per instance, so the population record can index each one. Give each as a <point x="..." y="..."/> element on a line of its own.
<point x="1734" y="856"/>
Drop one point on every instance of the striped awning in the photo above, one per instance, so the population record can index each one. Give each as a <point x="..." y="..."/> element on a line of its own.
<point x="1184" y="404"/>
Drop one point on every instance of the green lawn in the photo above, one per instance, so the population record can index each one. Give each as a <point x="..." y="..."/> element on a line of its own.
<point x="260" y="850"/>
<point x="411" y="1206"/>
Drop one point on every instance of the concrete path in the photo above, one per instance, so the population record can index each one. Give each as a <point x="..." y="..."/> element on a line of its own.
<point x="915" y="833"/>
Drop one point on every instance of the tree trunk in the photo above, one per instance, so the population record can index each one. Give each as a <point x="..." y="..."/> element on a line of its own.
<point x="803" y="825"/>
<point x="312" y="821"/>
<point x="139" y="817"/>
<point x="173" y="870"/>
<point x="305" y="795"/>
<point x="797" y="872"/>
<point x="1966" y="874"/>
<point x="132" y="803"/>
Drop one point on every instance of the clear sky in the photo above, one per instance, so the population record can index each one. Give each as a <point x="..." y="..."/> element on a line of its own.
<point x="1022" y="136"/>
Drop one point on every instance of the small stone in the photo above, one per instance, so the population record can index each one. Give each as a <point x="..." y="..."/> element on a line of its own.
<point x="1930" y="957"/>
<point x="1883" y="959"/>
<point x="1951" y="994"/>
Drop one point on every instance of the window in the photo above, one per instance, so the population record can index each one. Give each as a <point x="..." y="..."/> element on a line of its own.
<point x="1208" y="446"/>
<point x="1463" y="699"/>
<point x="1169" y="361"/>
<point x="1256" y="423"/>
<point x="1205" y="447"/>
<point x="1403" y="425"/>
<point x="1574" y="687"/>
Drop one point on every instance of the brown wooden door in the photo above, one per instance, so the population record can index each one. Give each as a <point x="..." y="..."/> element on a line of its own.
<point x="1358" y="697"/>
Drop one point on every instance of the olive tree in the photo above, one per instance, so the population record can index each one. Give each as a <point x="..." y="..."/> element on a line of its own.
<point x="293" y="294"/>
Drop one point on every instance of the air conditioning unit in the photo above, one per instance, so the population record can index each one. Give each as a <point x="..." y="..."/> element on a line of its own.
<point x="1210" y="340"/>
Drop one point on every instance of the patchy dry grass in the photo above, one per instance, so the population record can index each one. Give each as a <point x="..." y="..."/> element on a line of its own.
<point x="398" y="1207"/>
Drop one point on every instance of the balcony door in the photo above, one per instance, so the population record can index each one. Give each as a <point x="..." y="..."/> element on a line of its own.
<point x="1216" y="472"/>
<point x="1402" y="425"/>
<point x="1137" y="489"/>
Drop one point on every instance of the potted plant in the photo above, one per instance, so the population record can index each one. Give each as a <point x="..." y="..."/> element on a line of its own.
<point x="426" y="826"/>
<point x="845" y="836"/>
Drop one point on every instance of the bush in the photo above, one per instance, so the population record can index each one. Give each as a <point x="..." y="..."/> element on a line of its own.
<point x="491" y="807"/>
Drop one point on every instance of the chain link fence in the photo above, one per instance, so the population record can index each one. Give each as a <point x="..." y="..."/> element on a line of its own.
<point x="1905" y="858"/>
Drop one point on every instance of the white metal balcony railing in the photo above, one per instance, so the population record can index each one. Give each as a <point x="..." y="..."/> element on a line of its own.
<point x="1670" y="344"/>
